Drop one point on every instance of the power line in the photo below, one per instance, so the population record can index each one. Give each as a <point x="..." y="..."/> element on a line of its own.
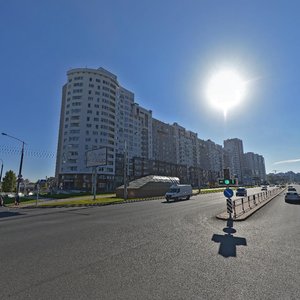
<point x="10" y="150"/>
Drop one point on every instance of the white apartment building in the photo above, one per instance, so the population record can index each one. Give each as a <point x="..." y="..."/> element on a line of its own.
<point x="97" y="112"/>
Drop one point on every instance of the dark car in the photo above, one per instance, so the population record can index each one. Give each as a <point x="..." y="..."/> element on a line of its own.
<point x="241" y="192"/>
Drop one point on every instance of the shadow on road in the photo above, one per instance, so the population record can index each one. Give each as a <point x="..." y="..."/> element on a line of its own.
<point x="292" y="202"/>
<point x="6" y="214"/>
<point x="175" y="201"/>
<point x="228" y="242"/>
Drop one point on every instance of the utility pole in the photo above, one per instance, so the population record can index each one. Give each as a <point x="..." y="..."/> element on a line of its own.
<point x="1" y="170"/>
<point x="21" y="162"/>
<point x="125" y="170"/>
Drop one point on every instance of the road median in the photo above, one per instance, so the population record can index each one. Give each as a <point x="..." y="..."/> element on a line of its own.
<point x="243" y="208"/>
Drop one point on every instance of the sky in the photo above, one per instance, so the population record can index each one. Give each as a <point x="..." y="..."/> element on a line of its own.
<point x="163" y="51"/>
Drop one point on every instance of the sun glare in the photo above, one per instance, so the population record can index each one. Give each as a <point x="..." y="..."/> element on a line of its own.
<point x="225" y="90"/>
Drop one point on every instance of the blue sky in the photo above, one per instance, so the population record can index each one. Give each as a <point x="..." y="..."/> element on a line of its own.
<point x="164" y="51"/>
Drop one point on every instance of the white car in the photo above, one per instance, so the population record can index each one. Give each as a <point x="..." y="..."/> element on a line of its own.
<point x="292" y="197"/>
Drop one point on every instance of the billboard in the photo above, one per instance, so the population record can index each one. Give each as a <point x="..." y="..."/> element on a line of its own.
<point x="96" y="157"/>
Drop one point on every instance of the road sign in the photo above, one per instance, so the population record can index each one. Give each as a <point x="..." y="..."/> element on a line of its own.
<point x="229" y="206"/>
<point x="227" y="181"/>
<point x="96" y="157"/>
<point x="228" y="193"/>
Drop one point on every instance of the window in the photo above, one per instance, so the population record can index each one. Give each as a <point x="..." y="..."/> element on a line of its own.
<point x="91" y="78"/>
<point x="78" y="84"/>
<point x="74" y="131"/>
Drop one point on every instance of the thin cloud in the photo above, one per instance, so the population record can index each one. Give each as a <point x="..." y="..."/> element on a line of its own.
<point x="287" y="161"/>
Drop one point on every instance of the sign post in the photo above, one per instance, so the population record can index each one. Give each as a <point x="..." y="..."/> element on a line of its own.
<point x="228" y="193"/>
<point x="94" y="159"/>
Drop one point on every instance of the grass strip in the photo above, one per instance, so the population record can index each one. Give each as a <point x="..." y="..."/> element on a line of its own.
<point x="81" y="202"/>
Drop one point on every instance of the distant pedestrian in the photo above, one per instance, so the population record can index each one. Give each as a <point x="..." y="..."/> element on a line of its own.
<point x="17" y="201"/>
<point x="1" y="201"/>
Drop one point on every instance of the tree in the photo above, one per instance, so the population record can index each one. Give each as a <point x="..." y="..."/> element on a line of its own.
<point x="9" y="182"/>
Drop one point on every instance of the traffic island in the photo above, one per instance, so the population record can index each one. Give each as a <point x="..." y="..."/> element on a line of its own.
<point x="243" y="208"/>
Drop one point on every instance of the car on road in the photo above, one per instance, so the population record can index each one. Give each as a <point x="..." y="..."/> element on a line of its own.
<point x="292" y="197"/>
<point x="264" y="188"/>
<point x="291" y="189"/>
<point x="241" y="192"/>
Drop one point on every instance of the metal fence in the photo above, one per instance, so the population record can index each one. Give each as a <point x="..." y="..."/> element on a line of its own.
<point x="242" y="205"/>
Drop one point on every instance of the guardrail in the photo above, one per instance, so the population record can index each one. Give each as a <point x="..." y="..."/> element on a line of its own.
<point x="242" y="205"/>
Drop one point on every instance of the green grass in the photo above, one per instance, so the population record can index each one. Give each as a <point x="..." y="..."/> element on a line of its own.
<point x="74" y="195"/>
<point x="10" y="201"/>
<point x="82" y="202"/>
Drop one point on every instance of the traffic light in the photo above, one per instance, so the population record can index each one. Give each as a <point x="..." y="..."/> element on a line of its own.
<point x="227" y="181"/>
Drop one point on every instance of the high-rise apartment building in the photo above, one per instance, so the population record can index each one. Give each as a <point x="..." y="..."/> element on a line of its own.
<point x="97" y="112"/>
<point x="254" y="168"/>
<point x="234" y="157"/>
<point x="215" y="158"/>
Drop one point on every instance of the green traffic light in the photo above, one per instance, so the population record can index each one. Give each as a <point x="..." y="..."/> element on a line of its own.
<point x="226" y="181"/>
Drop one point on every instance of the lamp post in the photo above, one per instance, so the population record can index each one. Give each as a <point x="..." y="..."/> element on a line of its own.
<point x="125" y="171"/>
<point x="21" y="162"/>
<point x="1" y="170"/>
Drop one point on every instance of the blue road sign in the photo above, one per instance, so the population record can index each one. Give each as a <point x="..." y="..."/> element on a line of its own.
<point x="228" y="193"/>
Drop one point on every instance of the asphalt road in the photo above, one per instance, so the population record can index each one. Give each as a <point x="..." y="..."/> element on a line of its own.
<point x="150" y="250"/>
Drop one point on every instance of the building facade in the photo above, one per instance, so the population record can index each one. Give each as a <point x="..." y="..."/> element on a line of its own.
<point x="234" y="154"/>
<point x="97" y="112"/>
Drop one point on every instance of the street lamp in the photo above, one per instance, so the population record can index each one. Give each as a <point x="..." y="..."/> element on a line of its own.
<point x="1" y="170"/>
<point x="21" y="162"/>
<point x="125" y="171"/>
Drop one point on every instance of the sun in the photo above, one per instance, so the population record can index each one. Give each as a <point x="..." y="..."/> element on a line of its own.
<point x="225" y="90"/>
